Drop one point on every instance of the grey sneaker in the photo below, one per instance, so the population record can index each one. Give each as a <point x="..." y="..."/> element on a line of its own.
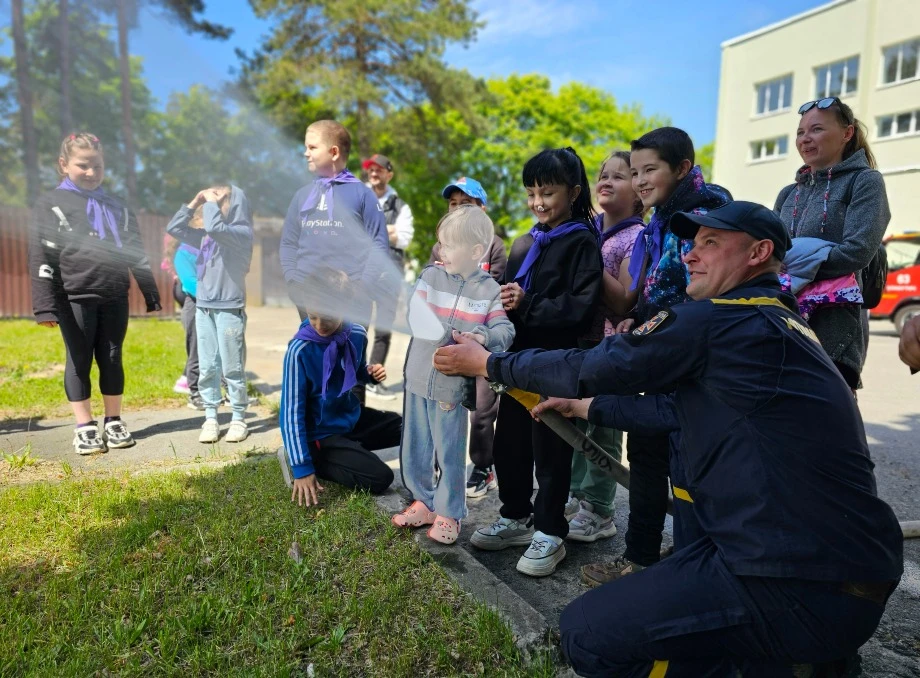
<point x="116" y="435"/>
<point x="544" y="554"/>
<point x="210" y="431"/>
<point x="285" y="466"/>
<point x="503" y="533"/>
<point x="589" y="526"/>
<point x="86" y="440"/>
<point x="195" y="402"/>
<point x="571" y="507"/>
<point x="237" y="432"/>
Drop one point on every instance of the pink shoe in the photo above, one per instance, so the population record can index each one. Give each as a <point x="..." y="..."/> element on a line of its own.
<point x="415" y="516"/>
<point x="444" y="530"/>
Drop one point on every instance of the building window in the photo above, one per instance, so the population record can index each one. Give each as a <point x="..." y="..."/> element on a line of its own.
<point x="775" y="95"/>
<point x="766" y="149"/>
<point x="898" y="125"/>
<point x="899" y="62"/>
<point x="837" y="79"/>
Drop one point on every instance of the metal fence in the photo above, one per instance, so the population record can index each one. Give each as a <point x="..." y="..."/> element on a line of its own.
<point x="16" y="285"/>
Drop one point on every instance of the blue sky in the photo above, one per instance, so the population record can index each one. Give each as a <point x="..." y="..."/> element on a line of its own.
<point x="662" y="55"/>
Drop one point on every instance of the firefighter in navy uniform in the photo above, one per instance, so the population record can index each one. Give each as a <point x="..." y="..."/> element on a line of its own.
<point x="798" y="555"/>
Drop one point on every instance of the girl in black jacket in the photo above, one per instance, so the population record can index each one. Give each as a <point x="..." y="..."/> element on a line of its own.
<point x="82" y="245"/>
<point x="553" y="283"/>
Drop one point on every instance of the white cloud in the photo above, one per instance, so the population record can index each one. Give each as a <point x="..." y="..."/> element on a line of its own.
<point x="536" y="18"/>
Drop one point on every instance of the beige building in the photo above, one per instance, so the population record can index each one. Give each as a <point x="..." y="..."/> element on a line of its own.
<point x="864" y="51"/>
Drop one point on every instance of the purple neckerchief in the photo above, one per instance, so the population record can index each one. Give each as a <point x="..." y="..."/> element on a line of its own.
<point x="542" y="239"/>
<point x="334" y="345"/>
<point x="634" y="220"/>
<point x="205" y="251"/>
<point x="324" y="185"/>
<point x="97" y="209"/>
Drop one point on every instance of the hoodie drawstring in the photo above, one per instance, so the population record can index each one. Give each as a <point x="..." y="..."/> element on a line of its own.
<point x="795" y="202"/>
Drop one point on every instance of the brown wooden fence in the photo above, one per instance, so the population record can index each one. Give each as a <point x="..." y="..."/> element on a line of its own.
<point x="15" y="283"/>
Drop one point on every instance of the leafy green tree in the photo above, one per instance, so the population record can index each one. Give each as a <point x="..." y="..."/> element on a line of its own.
<point x="203" y="139"/>
<point x="704" y="155"/>
<point x="24" y="95"/>
<point x="95" y="101"/>
<point x="358" y="60"/>
<point x="524" y="116"/>
<point x="126" y="13"/>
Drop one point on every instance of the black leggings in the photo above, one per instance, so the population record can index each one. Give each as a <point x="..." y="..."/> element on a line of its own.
<point x="93" y="329"/>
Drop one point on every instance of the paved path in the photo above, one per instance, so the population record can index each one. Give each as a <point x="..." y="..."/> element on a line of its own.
<point x="890" y="404"/>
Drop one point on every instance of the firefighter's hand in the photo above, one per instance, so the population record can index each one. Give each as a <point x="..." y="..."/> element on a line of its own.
<point x="909" y="349"/>
<point x="567" y="407"/>
<point x="467" y="358"/>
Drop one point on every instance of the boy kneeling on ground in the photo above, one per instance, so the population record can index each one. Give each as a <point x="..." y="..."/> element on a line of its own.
<point x="327" y="433"/>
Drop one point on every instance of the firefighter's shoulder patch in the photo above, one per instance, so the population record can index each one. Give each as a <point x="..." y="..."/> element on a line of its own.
<point x="651" y="324"/>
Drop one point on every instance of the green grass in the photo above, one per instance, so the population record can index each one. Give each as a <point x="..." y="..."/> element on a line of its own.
<point x="32" y="368"/>
<point x="189" y="574"/>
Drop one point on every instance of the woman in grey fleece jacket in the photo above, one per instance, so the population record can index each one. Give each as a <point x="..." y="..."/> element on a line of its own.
<point x="838" y="196"/>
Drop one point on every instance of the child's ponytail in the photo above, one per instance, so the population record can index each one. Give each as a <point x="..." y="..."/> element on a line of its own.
<point x="582" y="208"/>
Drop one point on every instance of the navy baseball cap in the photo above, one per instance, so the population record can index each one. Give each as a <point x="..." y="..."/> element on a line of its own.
<point x="748" y="217"/>
<point x="466" y="185"/>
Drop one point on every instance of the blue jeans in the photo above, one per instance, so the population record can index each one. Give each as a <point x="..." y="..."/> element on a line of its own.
<point x="433" y="436"/>
<point x="222" y="349"/>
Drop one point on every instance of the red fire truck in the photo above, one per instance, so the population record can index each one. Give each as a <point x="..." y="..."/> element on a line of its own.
<point x="901" y="298"/>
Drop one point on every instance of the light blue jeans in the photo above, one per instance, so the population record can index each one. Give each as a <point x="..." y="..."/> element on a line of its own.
<point x="434" y="435"/>
<point x="222" y="349"/>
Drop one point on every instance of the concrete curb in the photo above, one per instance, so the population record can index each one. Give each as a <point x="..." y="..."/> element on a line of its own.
<point x="528" y="626"/>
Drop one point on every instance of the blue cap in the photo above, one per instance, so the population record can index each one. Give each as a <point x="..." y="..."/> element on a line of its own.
<point x="466" y="185"/>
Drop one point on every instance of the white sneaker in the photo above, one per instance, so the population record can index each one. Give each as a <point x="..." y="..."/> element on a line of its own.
<point x="117" y="435"/>
<point x="86" y="440"/>
<point x="238" y="432"/>
<point x="503" y="533"/>
<point x="545" y="552"/>
<point x="210" y="431"/>
<point x="571" y="507"/>
<point x="589" y="526"/>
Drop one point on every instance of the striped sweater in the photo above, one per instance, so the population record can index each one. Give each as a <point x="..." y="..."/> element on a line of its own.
<point x="470" y="304"/>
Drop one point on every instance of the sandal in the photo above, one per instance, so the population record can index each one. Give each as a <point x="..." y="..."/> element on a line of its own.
<point x="444" y="530"/>
<point x="416" y="515"/>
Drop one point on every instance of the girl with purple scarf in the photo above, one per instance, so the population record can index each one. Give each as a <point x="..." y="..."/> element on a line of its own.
<point x="592" y="491"/>
<point x="665" y="178"/>
<point x="553" y="283"/>
<point x="84" y="245"/>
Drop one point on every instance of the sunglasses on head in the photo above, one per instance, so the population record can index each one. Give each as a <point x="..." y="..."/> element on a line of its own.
<point x="827" y="102"/>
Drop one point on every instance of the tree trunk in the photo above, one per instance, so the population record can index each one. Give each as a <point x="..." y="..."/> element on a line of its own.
<point x="24" y="95"/>
<point x="126" y="123"/>
<point x="64" y="47"/>
<point x="362" y="106"/>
